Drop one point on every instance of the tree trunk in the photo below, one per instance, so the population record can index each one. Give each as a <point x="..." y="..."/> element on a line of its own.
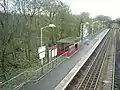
<point x="14" y="58"/>
<point x="3" y="64"/>
<point x="29" y="55"/>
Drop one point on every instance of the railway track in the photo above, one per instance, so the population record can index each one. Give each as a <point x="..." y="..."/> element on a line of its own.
<point x="87" y="77"/>
<point x="117" y="63"/>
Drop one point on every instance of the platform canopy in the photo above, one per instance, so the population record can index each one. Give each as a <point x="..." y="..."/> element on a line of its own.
<point x="69" y="40"/>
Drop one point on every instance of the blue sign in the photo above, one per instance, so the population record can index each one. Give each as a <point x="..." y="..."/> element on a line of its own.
<point x="85" y="32"/>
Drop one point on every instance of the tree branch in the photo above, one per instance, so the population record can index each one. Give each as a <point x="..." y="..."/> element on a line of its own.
<point x="3" y="7"/>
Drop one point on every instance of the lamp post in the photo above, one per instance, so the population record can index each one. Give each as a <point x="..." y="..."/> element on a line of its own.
<point x="103" y="23"/>
<point x="93" y="26"/>
<point x="50" y="25"/>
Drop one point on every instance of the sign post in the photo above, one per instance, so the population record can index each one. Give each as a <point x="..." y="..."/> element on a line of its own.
<point x="41" y="53"/>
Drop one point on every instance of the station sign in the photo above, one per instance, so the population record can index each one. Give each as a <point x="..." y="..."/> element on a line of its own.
<point x="85" y="32"/>
<point x="41" y="52"/>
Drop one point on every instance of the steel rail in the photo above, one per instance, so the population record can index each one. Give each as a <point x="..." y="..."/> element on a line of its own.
<point x="93" y="71"/>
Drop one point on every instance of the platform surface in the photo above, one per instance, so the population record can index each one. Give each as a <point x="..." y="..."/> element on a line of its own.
<point x="53" y="78"/>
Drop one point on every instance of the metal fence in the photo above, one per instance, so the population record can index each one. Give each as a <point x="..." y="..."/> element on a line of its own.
<point x="19" y="80"/>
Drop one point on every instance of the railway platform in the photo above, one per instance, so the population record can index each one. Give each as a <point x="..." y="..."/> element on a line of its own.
<point x="60" y="77"/>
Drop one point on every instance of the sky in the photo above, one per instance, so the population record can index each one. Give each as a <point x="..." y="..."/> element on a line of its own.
<point x="95" y="7"/>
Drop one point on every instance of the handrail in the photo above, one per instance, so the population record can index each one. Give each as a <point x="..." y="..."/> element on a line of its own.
<point x="29" y="75"/>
